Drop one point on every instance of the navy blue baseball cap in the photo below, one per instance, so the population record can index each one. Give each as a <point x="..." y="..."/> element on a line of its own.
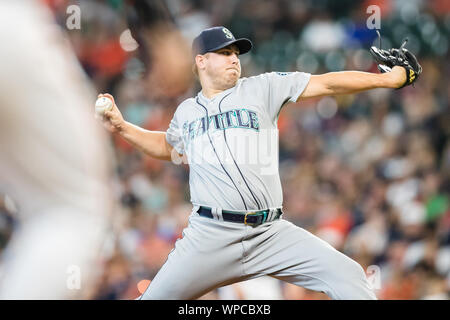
<point x="216" y="38"/>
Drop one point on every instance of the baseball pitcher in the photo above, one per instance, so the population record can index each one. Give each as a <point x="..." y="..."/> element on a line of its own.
<point x="228" y="133"/>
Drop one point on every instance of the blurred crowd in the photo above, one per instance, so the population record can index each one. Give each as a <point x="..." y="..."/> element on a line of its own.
<point x="368" y="173"/>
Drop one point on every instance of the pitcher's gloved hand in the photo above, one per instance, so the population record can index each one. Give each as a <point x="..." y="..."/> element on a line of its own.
<point x="387" y="59"/>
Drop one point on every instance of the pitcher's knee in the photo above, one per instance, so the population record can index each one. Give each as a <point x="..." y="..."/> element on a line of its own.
<point x="349" y="280"/>
<point x="355" y="269"/>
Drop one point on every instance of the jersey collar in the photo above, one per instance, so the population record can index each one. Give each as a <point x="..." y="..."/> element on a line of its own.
<point x="204" y="99"/>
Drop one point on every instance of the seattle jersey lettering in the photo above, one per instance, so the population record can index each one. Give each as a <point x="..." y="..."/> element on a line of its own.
<point x="237" y="118"/>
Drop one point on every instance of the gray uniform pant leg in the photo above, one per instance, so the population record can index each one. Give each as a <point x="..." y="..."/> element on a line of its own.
<point x="215" y="253"/>
<point x="208" y="256"/>
<point x="290" y="253"/>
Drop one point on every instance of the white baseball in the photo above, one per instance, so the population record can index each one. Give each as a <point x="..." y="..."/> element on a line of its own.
<point x="103" y="104"/>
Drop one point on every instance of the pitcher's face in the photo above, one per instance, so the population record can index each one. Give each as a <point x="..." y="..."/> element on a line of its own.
<point x="223" y="66"/>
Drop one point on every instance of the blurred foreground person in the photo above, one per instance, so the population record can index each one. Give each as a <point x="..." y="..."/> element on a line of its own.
<point x="53" y="162"/>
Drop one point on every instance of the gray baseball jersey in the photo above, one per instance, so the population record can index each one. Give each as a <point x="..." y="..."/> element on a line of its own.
<point x="231" y="142"/>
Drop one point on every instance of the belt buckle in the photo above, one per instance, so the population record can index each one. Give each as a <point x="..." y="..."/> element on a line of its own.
<point x="245" y="217"/>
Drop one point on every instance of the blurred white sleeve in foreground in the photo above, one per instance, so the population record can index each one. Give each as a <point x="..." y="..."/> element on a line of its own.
<point x="54" y="159"/>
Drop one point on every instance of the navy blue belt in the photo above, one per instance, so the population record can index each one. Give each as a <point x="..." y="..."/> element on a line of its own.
<point x="249" y="218"/>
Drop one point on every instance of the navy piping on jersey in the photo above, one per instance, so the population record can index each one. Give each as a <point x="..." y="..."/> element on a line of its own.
<point x="210" y="141"/>
<point x="226" y="142"/>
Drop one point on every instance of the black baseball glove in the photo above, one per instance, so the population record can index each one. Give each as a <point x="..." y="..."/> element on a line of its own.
<point x="387" y="59"/>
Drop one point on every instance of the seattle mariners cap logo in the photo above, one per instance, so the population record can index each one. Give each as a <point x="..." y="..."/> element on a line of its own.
<point x="216" y="38"/>
<point x="228" y="33"/>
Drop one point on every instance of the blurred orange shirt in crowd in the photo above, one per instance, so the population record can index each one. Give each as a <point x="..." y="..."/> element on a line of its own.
<point x="108" y="57"/>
